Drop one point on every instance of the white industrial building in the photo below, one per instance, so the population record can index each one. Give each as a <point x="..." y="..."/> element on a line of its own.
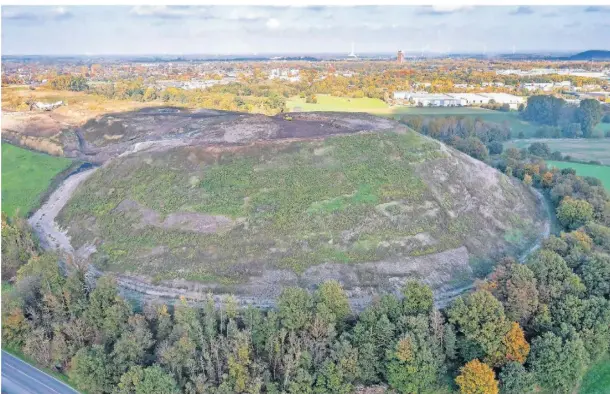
<point x="424" y="99"/>
<point x="458" y="99"/>
<point x="470" y="98"/>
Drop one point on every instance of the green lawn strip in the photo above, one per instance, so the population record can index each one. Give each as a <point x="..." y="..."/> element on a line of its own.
<point x="59" y="376"/>
<point x="584" y="149"/>
<point x="597" y="378"/>
<point x="26" y="176"/>
<point x="594" y="170"/>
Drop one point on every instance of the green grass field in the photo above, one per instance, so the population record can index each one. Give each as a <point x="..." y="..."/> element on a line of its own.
<point x="580" y="149"/>
<point x="601" y="172"/>
<point x="378" y="107"/>
<point x="597" y="379"/>
<point x="345" y="104"/>
<point x="26" y="175"/>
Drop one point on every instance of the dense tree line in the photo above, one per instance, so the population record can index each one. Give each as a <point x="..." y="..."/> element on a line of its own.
<point x="75" y="83"/>
<point x="471" y="136"/>
<point x="562" y="120"/>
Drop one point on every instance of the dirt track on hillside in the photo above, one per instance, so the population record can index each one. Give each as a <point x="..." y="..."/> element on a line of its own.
<point x="43" y="220"/>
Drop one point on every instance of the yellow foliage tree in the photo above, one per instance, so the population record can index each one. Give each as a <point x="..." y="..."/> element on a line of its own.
<point x="515" y="344"/>
<point x="477" y="378"/>
<point x="547" y="179"/>
<point x="527" y="179"/>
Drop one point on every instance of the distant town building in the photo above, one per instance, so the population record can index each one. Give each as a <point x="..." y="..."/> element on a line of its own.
<point x="424" y="99"/>
<point x="400" y="57"/>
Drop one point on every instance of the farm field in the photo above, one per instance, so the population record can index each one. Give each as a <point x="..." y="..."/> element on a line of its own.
<point x="597" y="379"/>
<point x="601" y="172"/>
<point x="25" y="176"/>
<point x="378" y="107"/>
<point x="579" y="149"/>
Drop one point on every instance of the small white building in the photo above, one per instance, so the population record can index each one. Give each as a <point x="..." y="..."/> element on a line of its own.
<point x="470" y="98"/>
<point x="505" y="98"/>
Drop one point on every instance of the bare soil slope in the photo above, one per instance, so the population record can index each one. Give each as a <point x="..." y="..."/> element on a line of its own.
<point x="247" y="204"/>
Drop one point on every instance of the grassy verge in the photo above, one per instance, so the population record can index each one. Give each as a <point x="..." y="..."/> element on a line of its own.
<point x="597" y="379"/>
<point x="59" y="376"/>
<point x="26" y="176"/>
<point x="597" y="171"/>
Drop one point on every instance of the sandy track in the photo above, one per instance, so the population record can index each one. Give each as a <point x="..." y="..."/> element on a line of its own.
<point x="43" y="220"/>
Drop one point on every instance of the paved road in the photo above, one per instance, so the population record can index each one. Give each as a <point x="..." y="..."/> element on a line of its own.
<point x="19" y="377"/>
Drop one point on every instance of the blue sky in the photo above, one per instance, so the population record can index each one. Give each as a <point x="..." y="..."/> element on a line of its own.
<point x="121" y="30"/>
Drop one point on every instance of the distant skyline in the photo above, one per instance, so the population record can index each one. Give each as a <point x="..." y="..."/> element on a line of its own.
<point x="226" y="30"/>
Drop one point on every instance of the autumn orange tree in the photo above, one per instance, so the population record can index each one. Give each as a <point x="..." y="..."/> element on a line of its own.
<point x="515" y="344"/>
<point x="477" y="378"/>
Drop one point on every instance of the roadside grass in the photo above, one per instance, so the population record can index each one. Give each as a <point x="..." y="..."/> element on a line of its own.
<point x="597" y="378"/>
<point x="579" y="149"/>
<point x="293" y="204"/>
<point x="59" y="376"/>
<point x="26" y="175"/>
<point x="597" y="171"/>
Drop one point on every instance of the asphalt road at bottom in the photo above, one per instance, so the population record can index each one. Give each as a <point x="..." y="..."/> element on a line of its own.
<point x="19" y="377"/>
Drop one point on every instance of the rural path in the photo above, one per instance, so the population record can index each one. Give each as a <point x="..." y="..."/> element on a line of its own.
<point x="43" y="220"/>
<point x="443" y="299"/>
<point x="19" y="377"/>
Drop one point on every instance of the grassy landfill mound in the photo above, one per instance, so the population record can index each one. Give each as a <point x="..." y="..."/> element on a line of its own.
<point x="247" y="217"/>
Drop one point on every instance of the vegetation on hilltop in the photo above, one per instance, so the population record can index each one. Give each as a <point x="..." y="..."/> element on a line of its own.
<point x="291" y="205"/>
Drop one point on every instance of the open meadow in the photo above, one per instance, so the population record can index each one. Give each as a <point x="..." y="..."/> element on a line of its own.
<point x="26" y="175"/>
<point x="578" y="149"/>
<point x="597" y="171"/>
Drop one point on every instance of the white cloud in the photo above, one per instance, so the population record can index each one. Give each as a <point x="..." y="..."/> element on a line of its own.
<point x="273" y="23"/>
<point x="167" y="12"/>
<point x="247" y="15"/>
<point x="450" y="8"/>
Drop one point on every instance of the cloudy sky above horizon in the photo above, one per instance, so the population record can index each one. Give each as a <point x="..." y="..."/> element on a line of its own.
<point x="123" y="30"/>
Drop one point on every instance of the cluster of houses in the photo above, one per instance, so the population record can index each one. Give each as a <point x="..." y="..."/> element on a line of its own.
<point x="423" y="99"/>
<point x="291" y="75"/>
